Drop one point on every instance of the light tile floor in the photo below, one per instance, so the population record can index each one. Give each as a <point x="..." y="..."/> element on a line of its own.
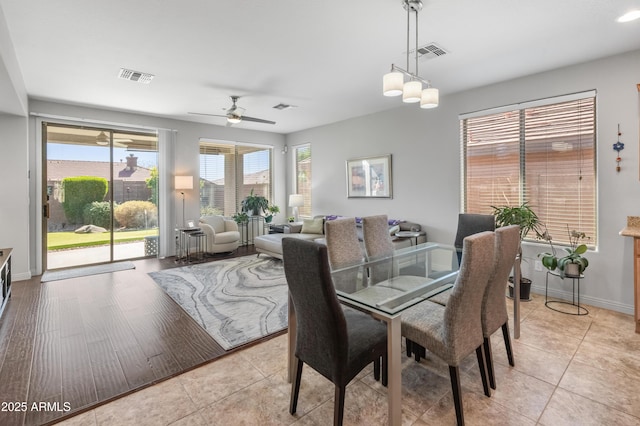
<point x="569" y="371"/>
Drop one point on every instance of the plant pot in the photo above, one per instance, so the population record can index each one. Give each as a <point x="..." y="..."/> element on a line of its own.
<point x="572" y="270"/>
<point x="525" y="288"/>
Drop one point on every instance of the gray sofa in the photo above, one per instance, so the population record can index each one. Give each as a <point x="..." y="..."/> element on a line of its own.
<point x="271" y="244"/>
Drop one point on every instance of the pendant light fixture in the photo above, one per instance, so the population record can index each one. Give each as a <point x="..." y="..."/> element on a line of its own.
<point x="412" y="90"/>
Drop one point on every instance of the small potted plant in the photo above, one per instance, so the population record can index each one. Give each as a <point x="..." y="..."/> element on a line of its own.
<point x="528" y="221"/>
<point x="254" y="204"/>
<point x="271" y="211"/>
<point x="571" y="265"/>
<point x="240" y="217"/>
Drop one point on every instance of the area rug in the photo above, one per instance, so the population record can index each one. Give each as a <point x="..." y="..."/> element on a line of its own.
<point x="236" y="301"/>
<point x="85" y="271"/>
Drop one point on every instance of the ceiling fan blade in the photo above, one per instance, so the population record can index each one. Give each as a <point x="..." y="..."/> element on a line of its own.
<point x="257" y="120"/>
<point x="210" y="115"/>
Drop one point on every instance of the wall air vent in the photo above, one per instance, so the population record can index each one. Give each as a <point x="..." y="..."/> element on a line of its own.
<point x="140" y="77"/>
<point x="430" y="51"/>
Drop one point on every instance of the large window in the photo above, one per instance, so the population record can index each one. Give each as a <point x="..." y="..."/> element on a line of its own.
<point x="228" y="173"/>
<point x="541" y="153"/>
<point x="303" y="177"/>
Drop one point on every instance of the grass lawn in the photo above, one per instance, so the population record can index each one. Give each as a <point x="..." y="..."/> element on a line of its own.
<point x="63" y="240"/>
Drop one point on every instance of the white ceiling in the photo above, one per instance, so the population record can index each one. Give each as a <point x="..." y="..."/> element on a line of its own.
<point x="327" y="57"/>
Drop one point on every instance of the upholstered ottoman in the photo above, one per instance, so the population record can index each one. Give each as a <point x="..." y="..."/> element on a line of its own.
<point x="271" y="244"/>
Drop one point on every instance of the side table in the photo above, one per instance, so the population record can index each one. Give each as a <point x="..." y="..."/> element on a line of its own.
<point x="198" y="248"/>
<point x="409" y="234"/>
<point x="581" y="310"/>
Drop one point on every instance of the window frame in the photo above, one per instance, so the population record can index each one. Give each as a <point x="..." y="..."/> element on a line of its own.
<point x="527" y="138"/>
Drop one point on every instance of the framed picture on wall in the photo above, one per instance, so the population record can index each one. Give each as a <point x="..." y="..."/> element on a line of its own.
<point x="369" y="177"/>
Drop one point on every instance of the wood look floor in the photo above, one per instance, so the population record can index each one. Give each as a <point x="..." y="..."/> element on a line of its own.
<point x="78" y="343"/>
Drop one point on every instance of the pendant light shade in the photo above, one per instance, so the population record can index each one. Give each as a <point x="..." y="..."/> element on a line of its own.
<point x="412" y="92"/>
<point x="430" y="98"/>
<point x="392" y="83"/>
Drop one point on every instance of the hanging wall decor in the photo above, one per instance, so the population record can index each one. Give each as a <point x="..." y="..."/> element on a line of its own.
<point x="618" y="146"/>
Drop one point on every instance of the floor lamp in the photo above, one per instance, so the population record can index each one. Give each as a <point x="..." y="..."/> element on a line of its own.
<point x="181" y="183"/>
<point x="295" y="201"/>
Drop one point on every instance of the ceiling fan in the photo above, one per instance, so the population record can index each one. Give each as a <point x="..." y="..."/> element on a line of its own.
<point x="103" y="140"/>
<point x="235" y="115"/>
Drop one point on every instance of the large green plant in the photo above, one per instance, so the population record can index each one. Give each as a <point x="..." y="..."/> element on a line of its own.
<point x="522" y="216"/>
<point x="254" y="204"/>
<point x="98" y="213"/>
<point x="78" y="192"/>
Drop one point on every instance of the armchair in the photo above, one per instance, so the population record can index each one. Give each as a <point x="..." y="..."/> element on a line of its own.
<point x="222" y="233"/>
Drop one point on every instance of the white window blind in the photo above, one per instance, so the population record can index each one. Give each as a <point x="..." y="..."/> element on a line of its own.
<point x="229" y="172"/>
<point x="543" y="155"/>
<point x="303" y="178"/>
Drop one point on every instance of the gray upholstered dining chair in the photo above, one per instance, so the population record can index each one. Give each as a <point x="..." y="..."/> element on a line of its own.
<point x="337" y="342"/>
<point x="494" y="306"/>
<point x="469" y="224"/>
<point x="377" y="244"/>
<point x="454" y="331"/>
<point x="343" y="249"/>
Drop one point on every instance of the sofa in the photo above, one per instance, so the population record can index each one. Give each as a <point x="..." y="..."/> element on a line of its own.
<point x="313" y="230"/>
<point x="221" y="233"/>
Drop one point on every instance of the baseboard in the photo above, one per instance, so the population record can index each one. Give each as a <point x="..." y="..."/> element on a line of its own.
<point x="21" y="276"/>
<point x="588" y="300"/>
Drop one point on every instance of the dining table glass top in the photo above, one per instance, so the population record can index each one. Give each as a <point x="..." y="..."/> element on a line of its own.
<point x="392" y="283"/>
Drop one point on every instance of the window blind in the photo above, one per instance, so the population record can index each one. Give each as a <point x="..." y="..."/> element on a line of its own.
<point x="303" y="178"/>
<point x="542" y="155"/>
<point x="229" y="172"/>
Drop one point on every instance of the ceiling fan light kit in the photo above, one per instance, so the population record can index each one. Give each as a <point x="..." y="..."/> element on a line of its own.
<point x="235" y="115"/>
<point x="412" y="91"/>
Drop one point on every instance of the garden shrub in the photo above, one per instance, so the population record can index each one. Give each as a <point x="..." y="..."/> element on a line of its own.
<point x="78" y="192"/>
<point x="98" y="213"/>
<point x="131" y="214"/>
<point x="210" y="211"/>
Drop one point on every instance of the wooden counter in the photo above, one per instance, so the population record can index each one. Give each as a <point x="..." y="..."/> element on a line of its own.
<point x="633" y="230"/>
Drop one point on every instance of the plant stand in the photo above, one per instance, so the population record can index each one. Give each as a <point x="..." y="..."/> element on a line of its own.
<point x="581" y="310"/>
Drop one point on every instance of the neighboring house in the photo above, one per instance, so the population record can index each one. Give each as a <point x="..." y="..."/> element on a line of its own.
<point x="129" y="183"/>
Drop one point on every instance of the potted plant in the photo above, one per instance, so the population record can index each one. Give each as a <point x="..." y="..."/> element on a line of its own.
<point x="254" y="204"/>
<point x="241" y="217"/>
<point x="571" y="265"/>
<point x="271" y="211"/>
<point x="528" y="221"/>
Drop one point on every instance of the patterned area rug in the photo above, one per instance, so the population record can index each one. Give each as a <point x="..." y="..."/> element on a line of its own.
<point x="236" y="301"/>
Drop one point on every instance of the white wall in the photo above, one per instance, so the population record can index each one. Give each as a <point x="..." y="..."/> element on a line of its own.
<point x="425" y="145"/>
<point x="14" y="195"/>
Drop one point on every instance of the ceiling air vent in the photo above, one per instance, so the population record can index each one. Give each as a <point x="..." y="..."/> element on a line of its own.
<point x="140" y="77"/>
<point x="282" y="106"/>
<point x="430" y="51"/>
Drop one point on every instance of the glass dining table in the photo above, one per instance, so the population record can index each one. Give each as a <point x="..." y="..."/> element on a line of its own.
<point x="383" y="287"/>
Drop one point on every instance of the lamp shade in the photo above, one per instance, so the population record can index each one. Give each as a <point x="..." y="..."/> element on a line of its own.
<point x="430" y="98"/>
<point x="412" y="92"/>
<point x="184" y="182"/>
<point x="392" y="84"/>
<point x="296" y="200"/>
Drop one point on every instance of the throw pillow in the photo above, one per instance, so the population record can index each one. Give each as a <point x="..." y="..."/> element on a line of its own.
<point x="393" y="230"/>
<point x="312" y="226"/>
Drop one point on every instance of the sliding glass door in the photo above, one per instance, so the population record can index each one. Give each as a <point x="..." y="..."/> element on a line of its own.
<point x="100" y="195"/>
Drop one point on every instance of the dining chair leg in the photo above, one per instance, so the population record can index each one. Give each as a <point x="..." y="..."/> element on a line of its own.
<point x="376" y="369"/>
<point x="489" y="358"/>
<point x="456" y="389"/>
<point x="295" y="386"/>
<point x="338" y="410"/>
<point x="483" y="369"/>
<point x="507" y="343"/>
